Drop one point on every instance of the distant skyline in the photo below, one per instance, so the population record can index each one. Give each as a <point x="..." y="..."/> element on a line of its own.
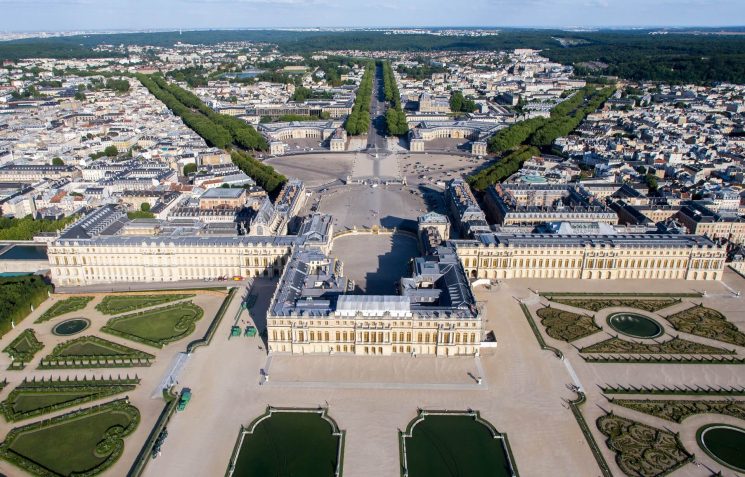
<point x="67" y="15"/>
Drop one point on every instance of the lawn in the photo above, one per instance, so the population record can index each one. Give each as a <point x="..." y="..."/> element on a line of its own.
<point x="115" y="304"/>
<point x="62" y="307"/>
<point x="158" y="326"/>
<point x="97" y="352"/>
<point x="289" y="443"/>
<point x="33" y="398"/>
<point x="86" y="441"/>
<point x="23" y="348"/>
<point x="455" y="445"/>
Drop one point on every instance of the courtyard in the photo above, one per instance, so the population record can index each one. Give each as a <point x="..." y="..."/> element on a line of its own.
<point x="387" y="258"/>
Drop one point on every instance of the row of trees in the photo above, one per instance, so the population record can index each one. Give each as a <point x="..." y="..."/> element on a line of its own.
<point x="268" y="178"/>
<point x="358" y="122"/>
<point x="542" y="132"/>
<point x="503" y="168"/>
<point x="395" y="118"/>
<point x="219" y="130"/>
<point x="26" y="228"/>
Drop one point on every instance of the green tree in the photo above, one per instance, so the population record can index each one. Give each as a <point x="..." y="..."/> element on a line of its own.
<point x="145" y="207"/>
<point x="190" y="168"/>
<point x="57" y="161"/>
<point x="111" y="151"/>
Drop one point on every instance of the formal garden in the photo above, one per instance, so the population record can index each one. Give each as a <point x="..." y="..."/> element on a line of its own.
<point x="642" y="450"/>
<point x="565" y="325"/>
<point x="63" y="307"/>
<point x="597" y="304"/>
<point x="635" y="325"/>
<point x="116" y="304"/>
<point x="94" y="352"/>
<point x="81" y="443"/>
<point x="289" y="442"/>
<point x="156" y="327"/>
<point x="444" y="444"/>
<point x="675" y="345"/>
<point x="72" y="326"/>
<point x="676" y="410"/>
<point x="707" y="323"/>
<point x="34" y="398"/>
<point x="23" y="348"/>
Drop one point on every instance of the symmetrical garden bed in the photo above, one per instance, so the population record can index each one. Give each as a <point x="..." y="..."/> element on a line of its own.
<point x="672" y="346"/>
<point x="158" y="326"/>
<point x="677" y="410"/>
<point x="62" y="307"/>
<point x="642" y="450"/>
<point x="35" y="398"/>
<point x="23" y="348"/>
<point x="115" y="304"/>
<point x="80" y="443"/>
<point x="597" y="304"/>
<point x="565" y="325"/>
<point x="94" y="352"/>
<point x="707" y="323"/>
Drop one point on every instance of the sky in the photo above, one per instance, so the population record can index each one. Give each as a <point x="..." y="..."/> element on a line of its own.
<point x="67" y="15"/>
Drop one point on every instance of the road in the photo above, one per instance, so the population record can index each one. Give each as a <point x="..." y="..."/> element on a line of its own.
<point x="376" y="135"/>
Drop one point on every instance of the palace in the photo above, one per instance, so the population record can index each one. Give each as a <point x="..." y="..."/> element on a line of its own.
<point x="87" y="254"/>
<point x="630" y="256"/>
<point x="313" y="311"/>
<point x="474" y="131"/>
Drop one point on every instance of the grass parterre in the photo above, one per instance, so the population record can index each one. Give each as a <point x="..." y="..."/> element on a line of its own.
<point x="94" y="352"/>
<point x="62" y="307"/>
<point x="81" y="443"/>
<point x="34" y="398"/>
<point x="23" y="348"/>
<point x="115" y="304"/>
<point x="157" y="327"/>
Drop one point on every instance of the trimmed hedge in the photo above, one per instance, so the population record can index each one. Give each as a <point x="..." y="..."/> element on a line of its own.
<point x="188" y="313"/>
<point x="115" y="304"/>
<point x="23" y="348"/>
<point x="62" y="307"/>
<point x="110" y="447"/>
<point x="118" y="355"/>
<point x="77" y="392"/>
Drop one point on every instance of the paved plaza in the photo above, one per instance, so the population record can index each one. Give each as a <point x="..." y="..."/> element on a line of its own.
<point x="385" y="260"/>
<point x="524" y="391"/>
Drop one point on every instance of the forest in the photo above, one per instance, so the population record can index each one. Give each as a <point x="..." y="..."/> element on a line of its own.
<point x="677" y="56"/>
